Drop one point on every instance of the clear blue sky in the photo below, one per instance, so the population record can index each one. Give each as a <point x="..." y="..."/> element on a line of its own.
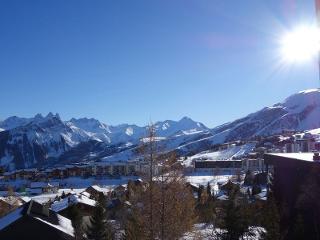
<point x="132" y="61"/>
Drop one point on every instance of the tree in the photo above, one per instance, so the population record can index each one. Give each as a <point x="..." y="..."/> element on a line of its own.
<point x="271" y="220"/>
<point x="256" y="189"/>
<point x="209" y="190"/>
<point x="149" y="151"/>
<point x="166" y="205"/>
<point x="248" y="179"/>
<point x="99" y="229"/>
<point x="200" y="192"/>
<point x="133" y="229"/>
<point x="235" y="220"/>
<point x="76" y="219"/>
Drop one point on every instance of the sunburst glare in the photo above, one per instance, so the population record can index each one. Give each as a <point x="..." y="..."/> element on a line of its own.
<point x="301" y="44"/>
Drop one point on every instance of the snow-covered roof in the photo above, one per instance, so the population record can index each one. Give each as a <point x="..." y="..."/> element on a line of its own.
<point x="71" y="200"/>
<point x="32" y="209"/>
<point x="86" y="194"/>
<point x="64" y="224"/>
<point x="25" y="199"/>
<point x="297" y="156"/>
<point x="223" y="197"/>
<point x="12" y="200"/>
<point x="99" y="189"/>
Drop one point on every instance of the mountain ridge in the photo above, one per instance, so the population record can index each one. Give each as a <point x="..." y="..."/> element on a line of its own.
<point x="45" y="140"/>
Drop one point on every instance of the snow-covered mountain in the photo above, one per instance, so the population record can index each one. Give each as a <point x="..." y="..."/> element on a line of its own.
<point x="298" y="112"/>
<point x="39" y="141"/>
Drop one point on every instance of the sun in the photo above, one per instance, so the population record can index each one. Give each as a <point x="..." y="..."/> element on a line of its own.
<point x="301" y="44"/>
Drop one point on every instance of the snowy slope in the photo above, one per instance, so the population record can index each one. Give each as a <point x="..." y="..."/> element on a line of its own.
<point x="299" y="112"/>
<point x="38" y="141"/>
<point x="42" y="141"/>
<point x="227" y="154"/>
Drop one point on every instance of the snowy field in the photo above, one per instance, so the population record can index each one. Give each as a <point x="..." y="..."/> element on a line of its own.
<point x="206" y="232"/>
<point x="198" y="178"/>
<point x="227" y="154"/>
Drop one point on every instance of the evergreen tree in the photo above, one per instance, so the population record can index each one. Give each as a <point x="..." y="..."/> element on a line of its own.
<point x="248" y="179"/>
<point x="76" y="220"/>
<point x="209" y="191"/>
<point x="99" y="229"/>
<point x="271" y="220"/>
<point x="235" y="220"/>
<point x="200" y="192"/>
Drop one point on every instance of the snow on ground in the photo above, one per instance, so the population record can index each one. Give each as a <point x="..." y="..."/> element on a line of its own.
<point x="74" y="184"/>
<point x="198" y="178"/>
<point x="227" y="154"/>
<point x="206" y="231"/>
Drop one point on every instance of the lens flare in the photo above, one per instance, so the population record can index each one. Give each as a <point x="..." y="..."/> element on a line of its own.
<point x="302" y="44"/>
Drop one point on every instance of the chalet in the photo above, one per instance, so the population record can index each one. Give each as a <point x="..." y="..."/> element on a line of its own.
<point x="119" y="190"/>
<point x="35" y="221"/>
<point x="8" y="204"/>
<point x="95" y="192"/>
<point x="97" y="169"/>
<point x="43" y="187"/>
<point x="28" y="174"/>
<point x="293" y="173"/>
<point x="86" y="194"/>
<point x="226" y="187"/>
<point x="9" y="176"/>
<point x="194" y="189"/>
<point x="84" y="204"/>
<point x="58" y="173"/>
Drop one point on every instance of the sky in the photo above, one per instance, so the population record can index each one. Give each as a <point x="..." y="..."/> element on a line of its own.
<point x="135" y="61"/>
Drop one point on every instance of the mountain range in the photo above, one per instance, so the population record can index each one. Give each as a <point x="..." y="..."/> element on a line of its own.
<point x="48" y="140"/>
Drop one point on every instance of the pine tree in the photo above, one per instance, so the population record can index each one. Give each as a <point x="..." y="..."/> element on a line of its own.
<point x="200" y="192"/>
<point x="76" y="220"/>
<point x="248" y="179"/>
<point x="209" y="191"/>
<point x="235" y="220"/>
<point x="99" y="229"/>
<point x="271" y="221"/>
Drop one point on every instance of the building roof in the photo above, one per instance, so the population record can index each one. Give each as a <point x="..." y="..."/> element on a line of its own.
<point x="12" y="200"/>
<point x="72" y="200"/>
<point x="43" y="184"/>
<point x="296" y="156"/>
<point x="97" y="188"/>
<point x="40" y="213"/>
<point x="86" y="194"/>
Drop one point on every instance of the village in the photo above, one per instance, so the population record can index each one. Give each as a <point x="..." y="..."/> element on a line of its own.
<point x="60" y="189"/>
